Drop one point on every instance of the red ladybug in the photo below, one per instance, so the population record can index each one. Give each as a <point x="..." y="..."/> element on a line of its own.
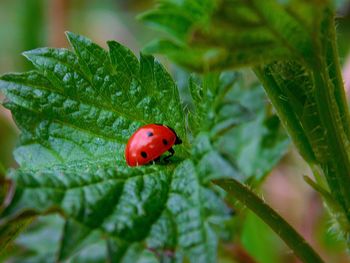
<point x="149" y="142"/>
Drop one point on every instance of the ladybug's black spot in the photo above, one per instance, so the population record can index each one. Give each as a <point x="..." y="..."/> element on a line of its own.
<point x="165" y="142"/>
<point x="149" y="134"/>
<point x="144" y="154"/>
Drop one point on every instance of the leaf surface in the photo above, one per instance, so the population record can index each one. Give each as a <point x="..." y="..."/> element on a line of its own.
<point x="76" y="112"/>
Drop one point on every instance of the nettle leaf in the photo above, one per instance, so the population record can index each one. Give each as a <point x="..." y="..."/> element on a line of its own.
<point x="243" y="138"/>
<point x="235" y="33"/>
<point x="187" y="202"/>
<point x="76" y="112"/>
<point x="171" y="18"/>
<point x="259" y="143"/>
<point x="213" y="110"/>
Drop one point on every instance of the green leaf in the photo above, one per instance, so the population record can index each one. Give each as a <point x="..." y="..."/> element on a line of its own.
<point x="76" y="112"/>
<point x="213" y="166"/>
<point x="244" y="140"/>
<point x="196" y="237"/>
<point x="213" y="58"/>
<point x="214" y="110"/>
<point x="234" y="33"/>
<point x="259" y="143"/>
<point x="122" y="201"/>
<point x="171" y="18"/>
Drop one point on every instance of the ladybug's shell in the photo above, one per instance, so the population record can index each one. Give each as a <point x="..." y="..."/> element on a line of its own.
<point x="148" y="143"/>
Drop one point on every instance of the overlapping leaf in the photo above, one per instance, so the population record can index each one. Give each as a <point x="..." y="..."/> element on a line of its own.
<point x="234" y="33"/>
<point x="240" y="127"/>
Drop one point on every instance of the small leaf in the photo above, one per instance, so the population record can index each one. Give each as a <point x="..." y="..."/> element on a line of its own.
<point x="213" y="58"/>
<point x="171" y="18"/>
<point x="260" y="142"/>
<point x="230" y="114"/>
<point x="243" y="139"/>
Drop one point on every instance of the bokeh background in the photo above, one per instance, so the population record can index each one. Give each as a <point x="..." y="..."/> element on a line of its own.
<point x="28" y="24"/>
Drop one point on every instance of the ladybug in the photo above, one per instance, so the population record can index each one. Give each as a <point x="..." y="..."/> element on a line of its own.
<point x="149" y="142"/>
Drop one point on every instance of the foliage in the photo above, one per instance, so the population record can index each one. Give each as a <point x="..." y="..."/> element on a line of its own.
<point x="291" y="46"/>
<point x="77" y="110"/>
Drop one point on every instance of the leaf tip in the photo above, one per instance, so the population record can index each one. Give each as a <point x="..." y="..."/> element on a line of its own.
<point x="112" y="43"/>
<point x="69" y="34"/>
<point x="3" y="77"/>
<point x="26" y="53"/>
<point x="70" y="37"/>
<point x="34" y="52"/>
<point x="29" y="54"/>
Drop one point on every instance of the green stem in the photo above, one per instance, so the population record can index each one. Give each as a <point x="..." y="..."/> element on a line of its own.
<point x="335" y="75"/>
<point x="333" y="112"/>
<point x="297" y="243"/>
<point x="338" y="164"/>
<point x="287" y="115"/>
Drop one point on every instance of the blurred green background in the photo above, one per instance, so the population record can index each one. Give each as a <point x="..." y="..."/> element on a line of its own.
<point x="28" y="24"/>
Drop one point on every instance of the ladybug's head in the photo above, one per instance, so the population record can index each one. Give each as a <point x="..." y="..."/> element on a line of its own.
<point x="178" y="140"/>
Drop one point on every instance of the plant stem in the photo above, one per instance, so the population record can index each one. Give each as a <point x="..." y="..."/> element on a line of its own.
<point x="334" y="117"/>
<point x="338" y="164"/>
<point x="297" y="243"/>
<point x="333" y="66"/>
<point x="287" y="115"/>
